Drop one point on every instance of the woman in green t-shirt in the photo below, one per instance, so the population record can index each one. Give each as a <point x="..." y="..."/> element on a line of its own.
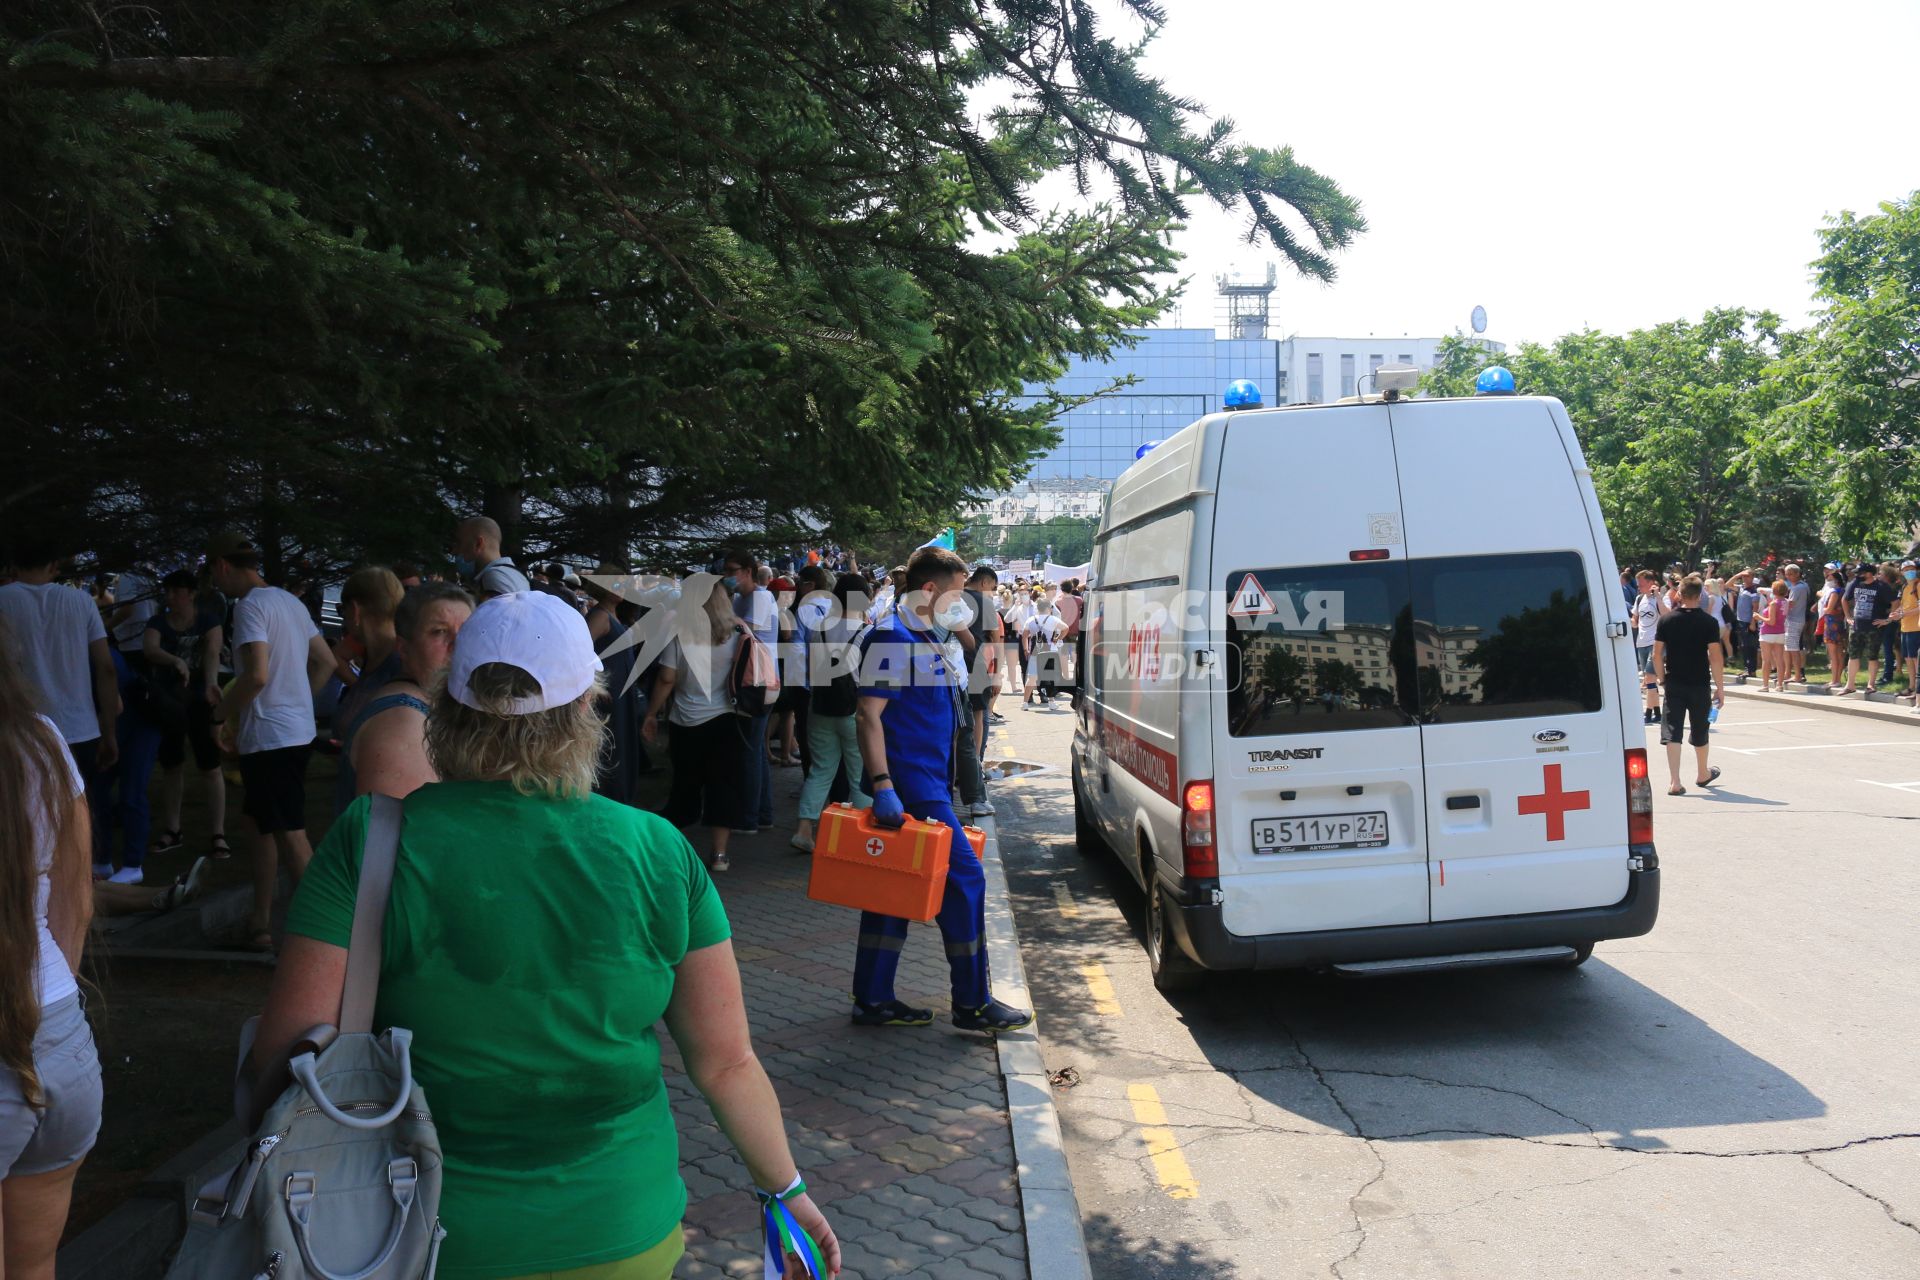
<point x="535" y="933"/>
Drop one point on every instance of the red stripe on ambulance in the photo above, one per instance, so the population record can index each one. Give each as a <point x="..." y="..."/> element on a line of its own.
<point x="1152" y="765"/>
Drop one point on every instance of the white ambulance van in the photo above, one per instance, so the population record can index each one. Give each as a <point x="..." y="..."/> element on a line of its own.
<point x="1358" y="693"/>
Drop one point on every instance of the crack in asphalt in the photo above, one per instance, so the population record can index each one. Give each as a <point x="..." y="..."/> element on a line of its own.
<point x="1596" y="1141"/>
<point x="1885" y="1207"/>
<point x="1360" y="1228"/>
<point x="1592" y="1132"/>
<point x="1515" y="1192"/>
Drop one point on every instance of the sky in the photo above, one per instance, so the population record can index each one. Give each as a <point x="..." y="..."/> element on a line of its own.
<point x="1564" y="165"/>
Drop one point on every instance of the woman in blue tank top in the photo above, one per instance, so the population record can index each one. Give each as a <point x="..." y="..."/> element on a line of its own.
<point x="383" y="749"/>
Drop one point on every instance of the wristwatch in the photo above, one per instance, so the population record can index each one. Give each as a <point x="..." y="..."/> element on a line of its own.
<point x="882" y="777"/>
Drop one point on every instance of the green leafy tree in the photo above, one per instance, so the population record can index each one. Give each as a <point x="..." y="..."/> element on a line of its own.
<point x="1850" y="416"/>
<point x="1071" y="538"/>
<point x="1669" y="419"/>
<point x="632" y="278"/>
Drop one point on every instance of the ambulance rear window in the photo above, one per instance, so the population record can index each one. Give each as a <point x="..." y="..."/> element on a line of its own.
<point x="1504" y="637"/>
<point x="1317" y="649"/>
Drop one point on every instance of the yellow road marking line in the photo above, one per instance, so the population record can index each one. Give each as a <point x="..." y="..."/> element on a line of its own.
<point x="1176" y="1178"/>
<point x="1063" y="897"/>
<point x="1101" y="989"/>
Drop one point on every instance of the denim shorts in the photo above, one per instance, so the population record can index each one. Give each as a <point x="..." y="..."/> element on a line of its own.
<point x="42" y="1141"/>
<point x="1643" y="658"/>
<point x="1910" y="644"/>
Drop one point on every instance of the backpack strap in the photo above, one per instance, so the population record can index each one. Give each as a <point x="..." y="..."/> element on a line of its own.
<point x="370" y="915"/>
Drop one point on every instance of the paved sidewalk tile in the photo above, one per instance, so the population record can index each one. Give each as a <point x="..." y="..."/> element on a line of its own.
<point x="901" y="1133"/>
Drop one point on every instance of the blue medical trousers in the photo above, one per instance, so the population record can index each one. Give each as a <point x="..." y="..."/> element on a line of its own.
<point x="962" y="921"/>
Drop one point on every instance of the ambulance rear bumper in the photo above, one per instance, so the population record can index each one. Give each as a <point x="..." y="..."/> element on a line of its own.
<point x="1201" y="932"/>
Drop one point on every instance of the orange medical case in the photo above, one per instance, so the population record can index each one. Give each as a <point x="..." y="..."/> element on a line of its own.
<point x="896" y="871"/>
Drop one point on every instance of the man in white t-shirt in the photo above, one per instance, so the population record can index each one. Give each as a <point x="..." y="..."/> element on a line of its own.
<point x="1648" y="608"/>
<point x="1044" y="630"/>
<point x="266" y="715"/>
<point x="63" y="649"/>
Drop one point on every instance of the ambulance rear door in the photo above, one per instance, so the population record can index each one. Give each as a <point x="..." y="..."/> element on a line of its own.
<point x="1525" y="783"/>
<point x="1320" y="816"/>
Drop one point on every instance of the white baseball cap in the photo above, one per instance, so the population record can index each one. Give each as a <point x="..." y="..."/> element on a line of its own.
<point x="538" y="633"/>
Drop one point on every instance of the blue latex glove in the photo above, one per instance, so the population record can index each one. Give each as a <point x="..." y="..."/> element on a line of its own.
<point x="887" y="810"/>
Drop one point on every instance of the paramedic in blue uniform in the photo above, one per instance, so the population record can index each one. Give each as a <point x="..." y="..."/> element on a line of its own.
<point x="911" y="680"/>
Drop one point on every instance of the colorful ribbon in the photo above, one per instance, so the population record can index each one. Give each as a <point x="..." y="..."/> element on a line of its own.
<point x="784" y="1235"/>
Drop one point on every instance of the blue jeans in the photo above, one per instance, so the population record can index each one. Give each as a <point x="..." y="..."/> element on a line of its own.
<point x="119" y="795"/>
<point x="128" y="781"/>
<point x="756" y="797"/>
<point x="962" y="921"/>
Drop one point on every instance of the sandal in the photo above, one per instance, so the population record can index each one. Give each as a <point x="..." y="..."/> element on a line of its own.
<point x="1676" y="791"/>
<point x="220" y="847"/>
<point x="1713" y="775"/>
<point x="166" y="842"/>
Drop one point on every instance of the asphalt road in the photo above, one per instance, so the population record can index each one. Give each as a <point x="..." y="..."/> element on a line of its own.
<point x="1736" y="1094"/>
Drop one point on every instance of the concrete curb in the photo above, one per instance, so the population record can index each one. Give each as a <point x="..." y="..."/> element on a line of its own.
<point x="1056" y="1246"/>
<point x="1890" y="712"/>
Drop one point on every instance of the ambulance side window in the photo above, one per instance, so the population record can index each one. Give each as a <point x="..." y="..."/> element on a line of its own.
<point x="1319" y="649"/>
<point x="1504" y="637"/>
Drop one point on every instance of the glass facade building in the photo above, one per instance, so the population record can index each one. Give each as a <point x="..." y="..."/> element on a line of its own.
<point x="1181" y="374"/>
<point x="1178" y="380"/>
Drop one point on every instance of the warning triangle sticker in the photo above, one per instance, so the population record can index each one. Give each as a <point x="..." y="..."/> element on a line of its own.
<point x="1250" y="601"/>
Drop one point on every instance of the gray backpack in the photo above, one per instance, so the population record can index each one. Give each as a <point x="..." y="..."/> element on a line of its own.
<point x="342" y="1178"/>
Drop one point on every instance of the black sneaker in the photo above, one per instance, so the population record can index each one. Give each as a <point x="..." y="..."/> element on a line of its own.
<point x="891" y="1014"/>
<point x="992" y="1016"/>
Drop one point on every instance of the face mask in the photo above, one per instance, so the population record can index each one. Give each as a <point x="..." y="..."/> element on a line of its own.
<point x="732" y="584"/>
<point x="1911" y="574"/>
<point x="955" y="616"/>
<point x="465" y="567"/>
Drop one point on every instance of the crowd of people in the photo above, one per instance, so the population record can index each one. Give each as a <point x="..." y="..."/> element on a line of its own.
<point x="1866" y="615"/>
<point x="525" y="699"/>
<point x="1691" y="628"/>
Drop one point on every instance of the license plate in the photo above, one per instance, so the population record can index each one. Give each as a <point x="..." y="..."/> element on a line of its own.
<point x="1320" y="831"/>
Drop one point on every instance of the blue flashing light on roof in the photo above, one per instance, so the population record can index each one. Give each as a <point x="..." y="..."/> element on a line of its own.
<point x="1494" y="380"/>
<point x="1242" y="394"/>
<point x="1145" y="449"/>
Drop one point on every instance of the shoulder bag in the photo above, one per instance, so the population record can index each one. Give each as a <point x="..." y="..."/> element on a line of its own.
<point x="341" y="1180"/>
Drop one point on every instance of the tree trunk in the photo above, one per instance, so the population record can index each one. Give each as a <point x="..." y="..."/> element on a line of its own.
<point x="504" y="503"/>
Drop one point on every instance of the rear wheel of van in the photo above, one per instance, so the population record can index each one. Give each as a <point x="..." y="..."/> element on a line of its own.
<point x="1172" y="972"/>
<point x="1086" y="836"/>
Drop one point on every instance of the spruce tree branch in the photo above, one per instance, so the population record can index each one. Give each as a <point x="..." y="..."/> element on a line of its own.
<point x="625" y="210"/>
<point x="232" y="72"/>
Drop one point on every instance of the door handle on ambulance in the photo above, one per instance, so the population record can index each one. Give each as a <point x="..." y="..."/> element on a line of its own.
<point x="1463" y="802"/>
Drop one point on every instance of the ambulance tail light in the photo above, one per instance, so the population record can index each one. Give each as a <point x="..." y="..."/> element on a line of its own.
<point x="1198" y="855"/>
<point x="1639" y="798"/>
